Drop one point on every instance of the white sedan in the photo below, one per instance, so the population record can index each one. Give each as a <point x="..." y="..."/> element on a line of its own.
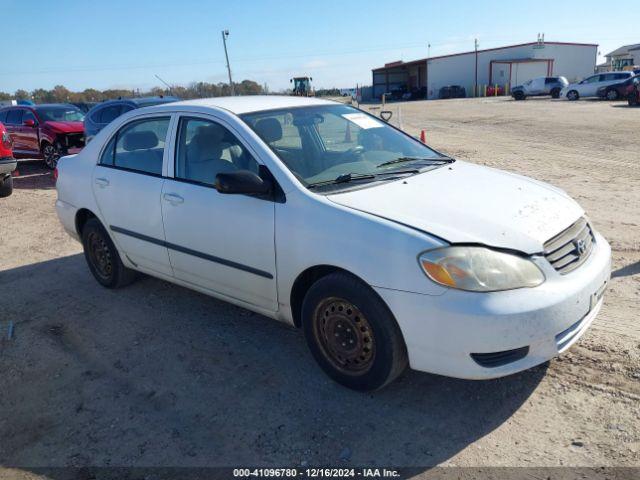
<point x="384" y="251"/>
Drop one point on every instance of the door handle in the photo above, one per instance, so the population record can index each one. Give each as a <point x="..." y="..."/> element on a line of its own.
<point x="172" y="198"/>
<point x="102" y="182"/>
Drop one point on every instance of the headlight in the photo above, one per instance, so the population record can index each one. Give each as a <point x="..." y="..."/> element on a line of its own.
<point x="479" y="269"/>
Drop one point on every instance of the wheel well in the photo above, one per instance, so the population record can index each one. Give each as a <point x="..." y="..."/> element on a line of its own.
<point x="303" y="283"/>
<point x="81" y="219"/>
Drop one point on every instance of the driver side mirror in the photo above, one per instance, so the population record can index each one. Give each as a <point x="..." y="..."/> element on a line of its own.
<point x="29" y="122"/>
<point x="242" y="182"/>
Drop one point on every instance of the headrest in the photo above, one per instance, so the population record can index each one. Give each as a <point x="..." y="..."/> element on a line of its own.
<point x="140" y="141"/>
<point x="212" y="133"/>
<point x="269" y="129"/>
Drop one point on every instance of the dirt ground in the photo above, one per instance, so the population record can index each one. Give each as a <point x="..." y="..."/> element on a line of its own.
<point x="157" y="375"/>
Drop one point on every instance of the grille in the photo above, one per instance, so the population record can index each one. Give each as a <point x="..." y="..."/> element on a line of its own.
<point x="498" y="359"/>
<point x="74" y="140"/>
<point x="570" y="248"/>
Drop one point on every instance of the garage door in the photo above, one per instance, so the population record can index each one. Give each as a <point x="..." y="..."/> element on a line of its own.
<point x="523" y="72"/>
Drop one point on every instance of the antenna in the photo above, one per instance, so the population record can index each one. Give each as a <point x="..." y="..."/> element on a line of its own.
<point x="168" y="86"/>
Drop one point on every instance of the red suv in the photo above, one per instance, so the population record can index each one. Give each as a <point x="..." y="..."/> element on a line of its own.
<point x="44" y="131"/>
<point x="7" y="163"/>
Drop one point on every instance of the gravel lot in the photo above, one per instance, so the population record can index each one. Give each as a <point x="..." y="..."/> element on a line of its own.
<point x="157" y="375"/>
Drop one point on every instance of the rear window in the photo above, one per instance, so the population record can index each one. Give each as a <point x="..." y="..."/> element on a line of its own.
<point x="108" y="114"/>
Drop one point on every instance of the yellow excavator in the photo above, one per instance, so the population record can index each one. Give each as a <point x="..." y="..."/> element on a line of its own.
<point x="302" y="87"/>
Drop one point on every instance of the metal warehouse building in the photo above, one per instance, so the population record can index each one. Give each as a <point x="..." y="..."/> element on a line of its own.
<point x="505" y="66"/>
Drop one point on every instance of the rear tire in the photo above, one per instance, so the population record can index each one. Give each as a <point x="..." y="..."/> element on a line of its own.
<point x="573" y="95"/>
<point x="612" y="95"/>
<point x="6" y="186"/>
<point x="633" y="99"/>
<point x="102" y="257"/>
<point x="352" y="334"/>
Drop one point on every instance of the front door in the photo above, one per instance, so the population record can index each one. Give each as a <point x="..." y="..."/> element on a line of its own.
<point x="223" y="243"/>
<point x="127" y="184"/>
<point x="30" y="133"/>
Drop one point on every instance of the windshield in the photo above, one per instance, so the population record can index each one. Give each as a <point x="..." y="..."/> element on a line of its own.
<point x="60" y="114"/>
<point x="320" y="144"/>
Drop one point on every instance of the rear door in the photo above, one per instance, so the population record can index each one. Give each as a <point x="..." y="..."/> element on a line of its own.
<point x="127" y="184"/>
<point x="14" y="127"/>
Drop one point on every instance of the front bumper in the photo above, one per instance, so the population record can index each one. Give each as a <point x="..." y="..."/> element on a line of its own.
<point x="442" y="332"/>
<point x="7" y="165"/>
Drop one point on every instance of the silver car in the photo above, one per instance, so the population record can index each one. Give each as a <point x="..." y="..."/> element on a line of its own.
<point x="539" y="86"/>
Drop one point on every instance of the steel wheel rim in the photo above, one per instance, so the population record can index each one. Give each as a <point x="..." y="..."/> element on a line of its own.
<point x="100" y="255"/>
<point x="344" y="335"/>
<point x="51" y="155"/>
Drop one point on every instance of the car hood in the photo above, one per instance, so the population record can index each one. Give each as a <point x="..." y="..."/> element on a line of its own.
<point x="65" y="127"/>
<point x="467" y="203"/>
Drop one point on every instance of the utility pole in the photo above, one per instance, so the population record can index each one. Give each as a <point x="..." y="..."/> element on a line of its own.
<point x="225" y="34"/>
<point x="475" y="88"/>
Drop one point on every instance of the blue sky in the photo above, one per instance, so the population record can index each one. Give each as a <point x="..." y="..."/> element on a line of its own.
<point x="117" y="43"/>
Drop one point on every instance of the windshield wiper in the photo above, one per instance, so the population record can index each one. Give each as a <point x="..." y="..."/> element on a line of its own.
<point x="344" y="178"/>
<point x="439" y="160"/>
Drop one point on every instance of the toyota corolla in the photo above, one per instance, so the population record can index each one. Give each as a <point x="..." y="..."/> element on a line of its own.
<point x="385" y="252"/>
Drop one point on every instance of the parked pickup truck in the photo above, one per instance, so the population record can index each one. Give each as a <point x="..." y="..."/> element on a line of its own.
<point x="7" y="163"/>
<point x="539" y="86"/>
<point x="44" y="131"/>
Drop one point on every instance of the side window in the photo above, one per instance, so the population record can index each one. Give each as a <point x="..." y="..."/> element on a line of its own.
<point x="107" y="154"/>
<point x="28" y="115"/>
<point x="14" y="117"/>
<point x="108" y="114"/>
<point x="140" y="145"/>
<point x="126" y="108"/>
<point x="3" y="117"/>
<point x="205" y="148"/>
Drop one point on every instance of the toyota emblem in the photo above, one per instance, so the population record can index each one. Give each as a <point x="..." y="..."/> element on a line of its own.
<point x="581" y="246"/>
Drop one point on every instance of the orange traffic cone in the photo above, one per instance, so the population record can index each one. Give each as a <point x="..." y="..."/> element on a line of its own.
<point x="423" y="136"/>
<point x="347" y="133"/>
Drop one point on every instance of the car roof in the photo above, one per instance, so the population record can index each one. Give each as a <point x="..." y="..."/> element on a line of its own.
<point x="254" y="103"/>
<point x="139" y="101"/>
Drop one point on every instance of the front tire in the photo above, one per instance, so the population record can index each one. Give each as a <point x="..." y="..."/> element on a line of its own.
<point x="519" y="96"/>
<point x="555" y="93"/>
<point x="573" y="95"/>
<point x="633" y="98"/>
<point x="102" y="257"/>
<point x="51" y="153"/>
<point x="6" y="186"/>
<point x="352" y="334"/>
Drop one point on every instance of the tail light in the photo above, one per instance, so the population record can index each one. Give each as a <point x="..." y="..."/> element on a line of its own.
<point x="6" y="140"/>
<point x="55" y="174"/>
